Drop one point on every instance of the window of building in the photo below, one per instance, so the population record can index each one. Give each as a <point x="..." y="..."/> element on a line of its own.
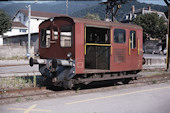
<point x="45" y="38"/>
<point x="22" y="30"/>
<point x="132" y="39"/>
<point x="119" y="36"/>
<point x="20" y="18"/>
<point x="24" y="18"/>
<point x="65" y="36"/>
<point x="55" y="34"/>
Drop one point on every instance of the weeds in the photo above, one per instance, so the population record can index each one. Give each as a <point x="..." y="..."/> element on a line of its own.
<point x="28" y="98"/>
<point x="19" y="99"/>
<point x="154" y="82"/>
<point x="78" y="89"/>
<point x="13" y="58"/>
<point x="34" y="80"/>
<point x="15" y="82"/>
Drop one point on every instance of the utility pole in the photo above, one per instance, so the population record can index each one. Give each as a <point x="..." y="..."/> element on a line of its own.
<point x="168" y="31"/>
<point x="66" y="7"/>
<point x="29" y="33"/>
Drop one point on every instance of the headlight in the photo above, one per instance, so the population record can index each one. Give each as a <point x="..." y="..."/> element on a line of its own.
<point x="69" y="54"/>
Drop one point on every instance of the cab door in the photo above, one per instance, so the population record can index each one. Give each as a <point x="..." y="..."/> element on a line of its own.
<point x="133" y="49"/>
<point x="97" y="48"/>
<point x="120" y="49"/>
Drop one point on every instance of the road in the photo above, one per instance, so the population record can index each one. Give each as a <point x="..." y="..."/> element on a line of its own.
<point x="142" y="99"/>
<point x="17" y="68"/>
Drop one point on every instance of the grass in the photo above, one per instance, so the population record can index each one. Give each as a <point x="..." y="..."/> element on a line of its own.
<point x="13" y="58"/>
<point x="18" y="99"/>
<point x="154" y="82"/>
<point x="15" y="83"/>
<point x="155" y="72"/>
<point x="78" y="89"/>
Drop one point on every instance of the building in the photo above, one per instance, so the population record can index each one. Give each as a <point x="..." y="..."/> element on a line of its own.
<point x="20" y="22"/>
<point x="128" y="17"/>
<point x="36" y="18"/>
<point x="18" y="34"/>
<point x="17" y="29"/>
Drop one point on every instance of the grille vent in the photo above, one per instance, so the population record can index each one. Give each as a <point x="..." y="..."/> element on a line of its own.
<point x="119" y="55"/>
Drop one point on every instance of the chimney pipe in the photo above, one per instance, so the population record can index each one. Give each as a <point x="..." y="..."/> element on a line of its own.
<point x="149" y="8"/>
<point x="133" y="9"/>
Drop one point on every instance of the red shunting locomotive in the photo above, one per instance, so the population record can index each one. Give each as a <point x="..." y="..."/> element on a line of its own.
<point x="74" y="50"/>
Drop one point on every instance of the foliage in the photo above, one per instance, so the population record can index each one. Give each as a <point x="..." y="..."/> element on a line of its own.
<point x="5" y="22"/>
<point x="153" y="26"/>
<point x="92" y="16"/>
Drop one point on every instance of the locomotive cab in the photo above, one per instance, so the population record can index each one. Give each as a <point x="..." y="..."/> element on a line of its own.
<point x="56" y="38"/>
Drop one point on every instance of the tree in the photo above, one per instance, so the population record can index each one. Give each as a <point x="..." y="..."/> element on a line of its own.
<point x="153" y="26"/>
<point x="92" y="16"/>
<point x="5" y="22"/>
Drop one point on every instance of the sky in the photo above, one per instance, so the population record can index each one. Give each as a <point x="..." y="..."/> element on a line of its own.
<point x="158" y="2"/>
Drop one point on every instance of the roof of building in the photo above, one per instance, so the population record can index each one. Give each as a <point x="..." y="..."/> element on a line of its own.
<point x="18" y="24"/>
<point x="39" y="13"/>
<point x="19" y="35"/>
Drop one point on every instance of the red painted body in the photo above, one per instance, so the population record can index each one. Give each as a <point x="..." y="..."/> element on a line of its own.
<point x="132" y="59"/>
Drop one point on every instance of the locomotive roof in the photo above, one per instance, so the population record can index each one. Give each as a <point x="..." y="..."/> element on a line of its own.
<point x="97" y="22"/>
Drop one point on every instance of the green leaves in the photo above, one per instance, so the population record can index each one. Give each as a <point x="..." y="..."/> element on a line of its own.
<point x="153" y="26"/>
<point x="5" y="22"/>
<point x="92" y="16"/>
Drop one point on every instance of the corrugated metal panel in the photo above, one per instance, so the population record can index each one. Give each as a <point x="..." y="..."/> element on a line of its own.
<point x="119" y="55"/>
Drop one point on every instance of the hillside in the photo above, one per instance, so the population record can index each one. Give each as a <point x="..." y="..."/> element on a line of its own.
<point x="76" y="8"/>
<point x="100" y="9"/>
<point x="55" y="7"/>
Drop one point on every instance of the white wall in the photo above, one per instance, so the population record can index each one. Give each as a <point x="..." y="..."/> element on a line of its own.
<point x="14" y="51"/>
<point x="35" y="25"/>
<point x="15" y="31"/>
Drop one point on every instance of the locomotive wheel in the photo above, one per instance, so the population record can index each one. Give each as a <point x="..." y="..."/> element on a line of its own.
<point x="126" y="81"/>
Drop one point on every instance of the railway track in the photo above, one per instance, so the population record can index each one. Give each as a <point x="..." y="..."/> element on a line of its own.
<point x="12" y="96"/>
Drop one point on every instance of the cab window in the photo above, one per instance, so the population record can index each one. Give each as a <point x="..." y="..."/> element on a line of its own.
<point x="132" y="39"/>
<point x="45" y="38"/>
<point x="55" y="34"/>
<point x="119" y="36"/>
<point x="65" y="36"/>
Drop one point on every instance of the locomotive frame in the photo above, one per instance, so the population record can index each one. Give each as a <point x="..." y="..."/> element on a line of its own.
<point x="74" y="50"/>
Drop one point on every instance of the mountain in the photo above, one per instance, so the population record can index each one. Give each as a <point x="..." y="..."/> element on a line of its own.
<point x="75" y="8"/>
<point x="54" y="7"/>
<point x="100" y="9"/>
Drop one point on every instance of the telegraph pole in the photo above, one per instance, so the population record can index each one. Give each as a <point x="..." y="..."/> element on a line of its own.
<point x="29" y="33"/>
<point x="168" y="31"/>
<point x="66" y="7"/>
